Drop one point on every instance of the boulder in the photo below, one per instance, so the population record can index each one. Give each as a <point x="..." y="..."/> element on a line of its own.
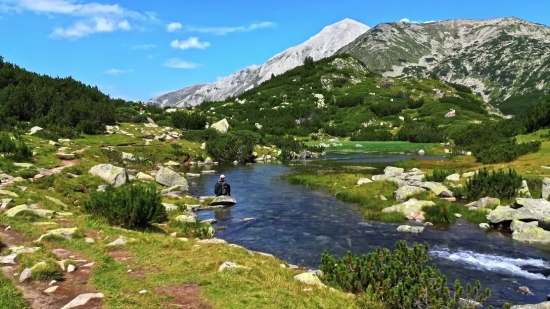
<point x="63" y="232"/>
<point x="437" y="188"/>
<point x="188" y="218"/>
<point x="143" y="176"/>
<point x="412" y="205"/>
<point x="546" y="188"/>
<point x="34" y="130"/>
<point x="468" y="174"/>
<point x="363" y="181"/>
<point x="522" y="209"/>
<point x="453" y="177"/>
<point x="116" y="176"/>
<point x="410" y="229"/>
<point x="393" y="171"/>
<point x="487" y="201"/>
<point x="208" y="160"/>
<point x="221" y="126"/>
<point x="399" y="182"/>
<point x="169" y="178"/>
<point x="14" y="211"/>
<point x="172" y="163"/>
<point x="406" y="191"/>
<point x="82" y="300"/>
<point x="310" y="278"/>
<point x="529" y="232"/>
<point x="524" y="189"/>
<point x="543" y="305"/>
<point x="223" y="200"/>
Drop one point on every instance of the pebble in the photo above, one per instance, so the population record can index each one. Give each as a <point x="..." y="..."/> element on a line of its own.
<point x="142" y="291"/>
<point x="52" y="282"/>
<point x="71" y="268"/>
<point x="51" y="289"/>
<point x="9" y="227"/>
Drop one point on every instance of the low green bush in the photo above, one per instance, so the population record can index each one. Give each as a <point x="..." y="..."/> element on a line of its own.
<point x="128" y="206"/>
<point x="442" y="212"/>
<point x="399" y="279"/>
<point x="194" y="229"/>
<point x="499" y="184"/>
<point x="439" y="175"/>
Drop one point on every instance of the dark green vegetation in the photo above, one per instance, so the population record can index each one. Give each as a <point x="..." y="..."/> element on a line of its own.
<point x="340" y="97"/>
<point x="15" y="150"/>
<point x="128" y="206"/>
<point x="400" y="279"/>
<point x="510" y="67"/>
<point x="495" y="142"/>
<point x="10" y="296"/>
<point x="499" y="184"/>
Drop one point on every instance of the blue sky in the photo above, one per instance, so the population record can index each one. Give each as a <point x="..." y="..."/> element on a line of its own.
<point x="141" y="48"/>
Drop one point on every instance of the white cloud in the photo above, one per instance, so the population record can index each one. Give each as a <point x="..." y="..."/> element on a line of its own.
<point x="143" y="46"/>
<point x="90" y="17"/>
<point x="177" y="63"/>
<point x="173" y="27"/>
<point x="192" y="42"/>
<point x="406" y="20"/>
<point x="226" y="30"/>
<point x="116" y="72"/>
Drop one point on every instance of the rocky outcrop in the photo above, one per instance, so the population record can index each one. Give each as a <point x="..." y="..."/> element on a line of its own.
<point x="169" y="178"/>
<point x="116" y="176"/>
<point x="529" y="219"/>
<point x="413" y="178"/>
<point x="522" y="209"/>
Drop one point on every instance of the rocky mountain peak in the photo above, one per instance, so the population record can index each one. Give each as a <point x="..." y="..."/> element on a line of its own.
<point x="324" y="44"/>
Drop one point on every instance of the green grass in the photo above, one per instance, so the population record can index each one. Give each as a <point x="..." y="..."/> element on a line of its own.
<point x="343" y="186"/>
<point x="10" y="296"/>
<point x="397" y="146"/>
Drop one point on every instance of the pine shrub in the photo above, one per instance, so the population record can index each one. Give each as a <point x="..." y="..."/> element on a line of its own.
<point x="399" y="279"/>
<point x="496" y="184"/>
<point x="128" y="206"/>
<point x="439" y="175"/>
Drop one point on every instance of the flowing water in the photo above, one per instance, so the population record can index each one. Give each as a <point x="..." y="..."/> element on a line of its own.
<point x="296" y="223"/>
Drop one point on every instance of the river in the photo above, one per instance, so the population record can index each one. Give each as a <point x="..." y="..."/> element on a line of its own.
<point x="296" y="224"/>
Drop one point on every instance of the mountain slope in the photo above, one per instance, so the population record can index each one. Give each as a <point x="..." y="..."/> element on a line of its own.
<point x="340" y="97"/>
<point x="498" y="58"/>
<point x="323" y="44"/>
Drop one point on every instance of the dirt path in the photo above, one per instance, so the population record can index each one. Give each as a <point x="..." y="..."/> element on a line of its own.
<point x="72" y="284"/>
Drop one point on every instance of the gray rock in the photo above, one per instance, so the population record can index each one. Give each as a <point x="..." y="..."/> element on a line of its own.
<point x="393" y="171"/>
<point x="143" y="176"/>
<point x="453" y="177"/>
<point x="487" y="201"/>
<point x="521" y="209"/>
<point x="309" y="278"/>
<point x="406" y="191"/>
<point x="169" y="207"/>
<point x="8" y="259"/>
<point x="120" y="241"/>
<point x="5" y="203"/>
<point x="524" y="189"/>
<point x="437" y="188"/>
<point x="484" y="225"/>
<point x="167" y="177"/>
<point x="412" y="205"/>
<point x="543" y="305"/>
<point x="188" y="218"/>
<point x="82" y="300"/>
<point x="546" y="188"/>
<point x="410" y="229"/>
<point x="231" y="267"/>
<point x="363" y="181"/>
<point x="25" y="274"/>
<point x="211" y="241"/>
<point x="469" y="303"/>
<point x="221" y="126"/>
<point x="116" y="176"/>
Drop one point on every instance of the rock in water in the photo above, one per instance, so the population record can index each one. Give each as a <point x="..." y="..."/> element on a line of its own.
<point x="167" y="177"/>
<point x="116" y="176"/>
<point x="546" y="188"/>
<point x="224" y="200"/>
<point x="410" y="229"/>
<point x="544" y="305"/>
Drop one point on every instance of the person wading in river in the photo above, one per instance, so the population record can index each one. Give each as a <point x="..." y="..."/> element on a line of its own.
<point x="222" y="187"/>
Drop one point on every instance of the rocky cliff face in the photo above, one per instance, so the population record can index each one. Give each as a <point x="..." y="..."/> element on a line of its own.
<point x="498" y="58"/>
<point x="323" y="44"/>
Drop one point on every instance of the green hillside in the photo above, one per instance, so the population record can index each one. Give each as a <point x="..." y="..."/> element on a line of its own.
<point x="338" y="96"/>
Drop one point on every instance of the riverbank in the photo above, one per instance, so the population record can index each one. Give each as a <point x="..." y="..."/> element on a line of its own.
<point x="161" y="267"/>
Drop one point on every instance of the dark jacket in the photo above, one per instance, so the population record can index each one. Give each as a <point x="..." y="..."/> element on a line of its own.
<point x="218" y="188"/>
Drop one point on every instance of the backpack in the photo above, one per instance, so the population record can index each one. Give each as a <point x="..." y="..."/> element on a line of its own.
<point x="225" y="188"/>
